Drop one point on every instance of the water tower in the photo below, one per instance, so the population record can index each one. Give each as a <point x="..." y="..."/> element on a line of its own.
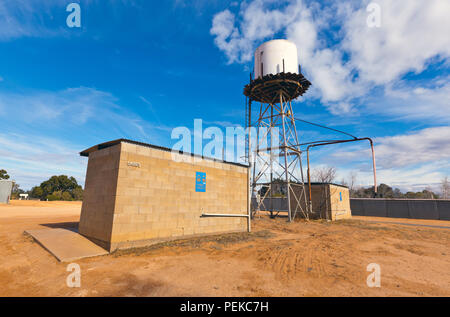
<point x="276" y="157"/>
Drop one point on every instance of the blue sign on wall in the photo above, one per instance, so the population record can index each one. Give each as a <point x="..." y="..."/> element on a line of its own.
<point x="200" y="182"/>
<point x="340" y="196"/>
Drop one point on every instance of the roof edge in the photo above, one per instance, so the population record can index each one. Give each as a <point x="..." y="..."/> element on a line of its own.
<point x="105" y="145"/>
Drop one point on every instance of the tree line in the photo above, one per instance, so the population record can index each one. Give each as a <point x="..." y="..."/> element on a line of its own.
<point x="328" y="175"/>
<point x="386" y="191"/>
<point x="60" y="187"/>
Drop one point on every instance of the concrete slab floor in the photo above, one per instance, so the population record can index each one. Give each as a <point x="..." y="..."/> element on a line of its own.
<point x="66" y="245"/>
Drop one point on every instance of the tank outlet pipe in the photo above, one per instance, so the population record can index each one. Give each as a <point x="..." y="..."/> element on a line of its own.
<point x="337" y="142"/>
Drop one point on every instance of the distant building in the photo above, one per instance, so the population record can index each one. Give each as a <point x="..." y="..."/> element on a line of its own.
<point x="23" y="197"/>
<point x="5" y="191"/>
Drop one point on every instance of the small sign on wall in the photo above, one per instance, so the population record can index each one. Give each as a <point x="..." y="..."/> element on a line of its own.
<point x="340" y="196"/>
<point x="134" y="164"/>
<point x="200" y="182"/>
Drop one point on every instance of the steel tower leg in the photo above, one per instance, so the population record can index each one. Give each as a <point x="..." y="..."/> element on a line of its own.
<point x="287" y="165"/>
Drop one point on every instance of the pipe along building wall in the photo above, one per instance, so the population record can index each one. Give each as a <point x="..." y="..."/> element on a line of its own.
<point x="436" y="209"/>
<point x="136" y="195"/>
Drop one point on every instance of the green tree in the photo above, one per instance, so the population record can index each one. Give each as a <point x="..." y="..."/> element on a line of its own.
<point x="66" y="196"/>
<point x="37" y="192"/>
<point x="55" y="186"/>
<point x="385" y="191"/>
<point x="60" y="183"/>
<point x="56" y="195"/>
<point x="78" y="193"/>
<point x="16" y="191"/>
<point x="4" y="174"/>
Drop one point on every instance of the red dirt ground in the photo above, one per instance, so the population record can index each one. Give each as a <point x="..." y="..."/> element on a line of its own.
<point x="277" y="259"/>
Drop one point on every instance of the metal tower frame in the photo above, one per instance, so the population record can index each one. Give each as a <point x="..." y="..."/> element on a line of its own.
<point x="277" y="165"/>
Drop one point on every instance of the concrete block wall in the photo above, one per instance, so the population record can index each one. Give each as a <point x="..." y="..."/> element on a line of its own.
<point x="340" y="202"/>
<point x="97" y="211"/>
<point x="326" y="201"/>
<point x="152" y="198"/>
<point x="330" y="201"/>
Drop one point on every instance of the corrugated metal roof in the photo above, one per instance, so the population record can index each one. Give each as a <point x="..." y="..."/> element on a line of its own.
<point x="162" y="148"/>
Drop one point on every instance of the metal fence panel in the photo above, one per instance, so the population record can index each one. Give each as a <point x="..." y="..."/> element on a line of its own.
<point x="422" y="209"/>
<point x="397" y="208"/>
<point x="401" y="208"/>
<point x="443" y="207"/>
<point x="357" y="207"/>
<point x="375" y="208"/>
<point x="278" y="204"/>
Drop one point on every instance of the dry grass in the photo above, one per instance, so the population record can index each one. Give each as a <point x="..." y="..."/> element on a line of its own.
<point x="199" y="242"/>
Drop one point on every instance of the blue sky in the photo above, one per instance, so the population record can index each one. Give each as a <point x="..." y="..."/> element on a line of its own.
<point x="138" y="69"/>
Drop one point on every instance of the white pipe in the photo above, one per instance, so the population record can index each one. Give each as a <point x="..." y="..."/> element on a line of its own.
<point x="225" y="215"/>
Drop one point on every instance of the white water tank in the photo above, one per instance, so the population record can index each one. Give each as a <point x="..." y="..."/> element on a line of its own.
<point x="274" y="57"/>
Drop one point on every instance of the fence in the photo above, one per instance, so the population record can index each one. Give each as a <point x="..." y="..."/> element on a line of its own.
<point x="279" y="204"/>
<point x="437" y="209"/>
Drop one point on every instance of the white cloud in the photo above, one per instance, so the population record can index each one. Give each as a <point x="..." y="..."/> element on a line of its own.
<point x="301" y="24"/>
<point x="255" y="23"/>
<point x="74" y="105"/>
<point x="87" y="109"/>
<point x="345" y="60"/>
<point x="30" y="160"/>
<point x="47" y="18"/>
<point x="339" y="53"/>
<point x="414" y="103"/>
<point x="427" y="145"/>
<point x="39" y="123"/>
<point x="410" y="161"/>
<point x="406" y="179"/>
<point x="227" y="37"/>
<point x="23" y="18"/>
<point x="411" y="32"/>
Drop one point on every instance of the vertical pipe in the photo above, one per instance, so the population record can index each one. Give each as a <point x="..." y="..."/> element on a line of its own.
<point x="249" y="199"/>
<point x="249" y="160"/>
<point x="309" y="182"/>
<point x="345" y="141"/>
<point x="374" y="167"/>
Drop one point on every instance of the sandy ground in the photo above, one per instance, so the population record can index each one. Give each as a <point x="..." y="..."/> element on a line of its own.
<point x="276" y="259"/>
<point x="418" y="222"/>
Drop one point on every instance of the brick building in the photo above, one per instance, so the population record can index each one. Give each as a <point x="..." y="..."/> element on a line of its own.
<point x="138" y="194"/>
